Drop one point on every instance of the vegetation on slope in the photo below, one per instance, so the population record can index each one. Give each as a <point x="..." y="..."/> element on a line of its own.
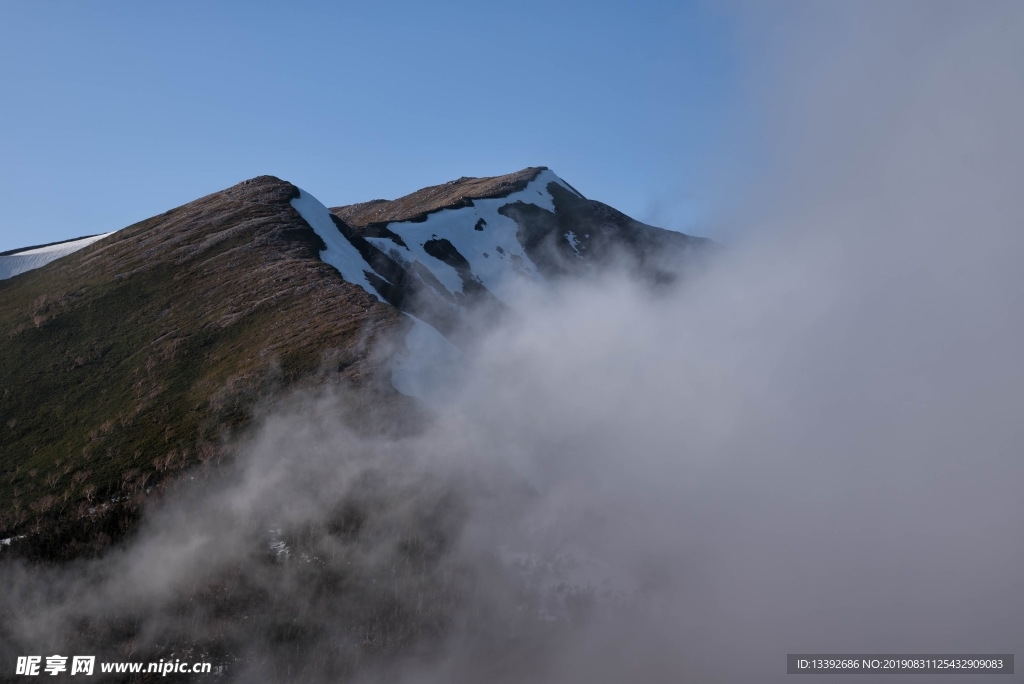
<point x="142" y="354"/>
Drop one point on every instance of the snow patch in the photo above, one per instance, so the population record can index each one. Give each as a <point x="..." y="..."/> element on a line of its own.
<point x="430" y="365"/>
<point x="339" y="253"/>
<point x="8" y="540"/>
<point x="30" y="259"/>
<point x="277" y="546"/>
<point x="574" y="243"/>
<point x="499" y="272"/>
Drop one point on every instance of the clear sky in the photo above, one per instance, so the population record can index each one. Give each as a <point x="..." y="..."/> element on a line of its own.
<point x="114" y="112"/>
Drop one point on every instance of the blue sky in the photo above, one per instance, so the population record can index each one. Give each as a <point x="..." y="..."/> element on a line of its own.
<point x="114" y="112"/>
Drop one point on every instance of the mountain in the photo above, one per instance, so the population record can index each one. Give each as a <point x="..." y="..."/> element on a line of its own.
<point x="473" y="242"/>
<point x="532" y="211"/>
<point x="139" y="355"/>
<point x="132" y="356"/>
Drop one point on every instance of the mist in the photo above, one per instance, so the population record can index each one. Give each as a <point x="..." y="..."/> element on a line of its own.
<point x="813" y="444"/>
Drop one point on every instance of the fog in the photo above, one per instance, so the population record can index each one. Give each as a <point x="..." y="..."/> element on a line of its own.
<point x="814" y="444"/>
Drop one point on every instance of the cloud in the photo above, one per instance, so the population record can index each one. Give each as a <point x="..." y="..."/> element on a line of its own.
<point x="812" y="446"/>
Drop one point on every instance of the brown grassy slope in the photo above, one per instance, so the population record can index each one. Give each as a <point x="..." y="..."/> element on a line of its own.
<point x="449" y="195"/>
<point x="134" y="357"/>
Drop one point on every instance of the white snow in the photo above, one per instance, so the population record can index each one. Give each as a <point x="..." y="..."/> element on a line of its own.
<point x="339" y="253"/>
<point x="429" y="366"/>
<point x="7" y="542"/>
<point x="277" y="546"/>
<point x="574" y="243"/>
<point x="496" y="271"/>
<point x="40" y="256"/>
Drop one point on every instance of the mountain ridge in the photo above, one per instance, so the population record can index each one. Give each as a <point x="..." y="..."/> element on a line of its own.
<point x="453" y="194"/>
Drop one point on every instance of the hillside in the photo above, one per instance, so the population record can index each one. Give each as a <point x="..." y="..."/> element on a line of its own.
<point x="144" y="352"/>
<point x="139" y="355"/>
